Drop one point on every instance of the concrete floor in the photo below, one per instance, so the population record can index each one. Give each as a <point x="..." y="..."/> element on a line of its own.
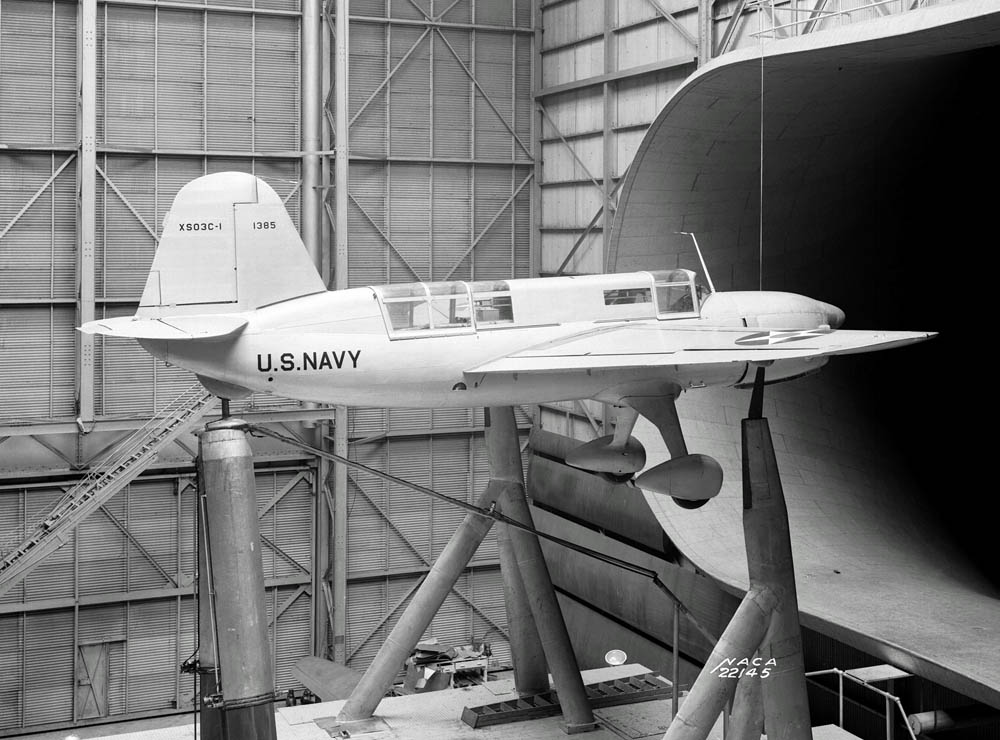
<point x="433" y="716"/>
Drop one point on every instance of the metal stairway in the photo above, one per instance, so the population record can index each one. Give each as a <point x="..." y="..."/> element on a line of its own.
<point x="116" y="470"/>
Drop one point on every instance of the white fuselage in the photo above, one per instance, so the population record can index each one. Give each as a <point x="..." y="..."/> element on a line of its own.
<point x="344" y="347"/>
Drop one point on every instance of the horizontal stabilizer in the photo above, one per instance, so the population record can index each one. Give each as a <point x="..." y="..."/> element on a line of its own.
<point x="173" y="327"/>
<point x="652" y="345"/>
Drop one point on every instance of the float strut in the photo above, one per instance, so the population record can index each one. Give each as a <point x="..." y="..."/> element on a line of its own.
<point x="235" y="656"/>
<point x="415" y="620"/>
<point x="769" y="562"/>
<point x="541" y="595"/>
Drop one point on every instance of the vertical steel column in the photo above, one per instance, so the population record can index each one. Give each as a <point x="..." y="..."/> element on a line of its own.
<point x="769" y="559"/>
<point x="312" y="229"/>
<point x="420" y="611"/>
<point x="312" y="122"/>
<point x="527" y="653"/>
<point x="234" y="577"/>
<point x="87" y="181"/>
<point x="705" y="31"/>
<point x="536" y="141"/>
<point x="608" y="93"/>
<point x="542" y="601"/>
<point x="341" y="176"/>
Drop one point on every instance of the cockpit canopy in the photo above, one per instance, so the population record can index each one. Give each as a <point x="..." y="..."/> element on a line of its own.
<point x="432" y="309"/>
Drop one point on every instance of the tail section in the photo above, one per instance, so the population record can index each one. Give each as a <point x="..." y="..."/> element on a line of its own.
<point x="228" y="245"/>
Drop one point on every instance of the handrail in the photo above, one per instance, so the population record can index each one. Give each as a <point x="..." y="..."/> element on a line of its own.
<point x="816" y="15"/>
<point x="103" y="472"/>
<point x="889" y="699"/>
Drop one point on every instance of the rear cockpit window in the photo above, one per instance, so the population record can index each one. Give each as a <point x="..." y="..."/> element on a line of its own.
<point x="493" y="303"/>
<point x="426" y="309"/>
<point x="624" y="296"/>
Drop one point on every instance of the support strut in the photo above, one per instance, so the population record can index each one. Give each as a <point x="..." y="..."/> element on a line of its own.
<point x="762" y="646"/>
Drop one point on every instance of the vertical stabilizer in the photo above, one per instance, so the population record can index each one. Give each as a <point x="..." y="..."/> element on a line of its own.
<point x="228" y="245"/>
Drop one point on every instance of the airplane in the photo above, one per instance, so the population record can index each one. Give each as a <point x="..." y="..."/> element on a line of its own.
<point x="233" y="296"/>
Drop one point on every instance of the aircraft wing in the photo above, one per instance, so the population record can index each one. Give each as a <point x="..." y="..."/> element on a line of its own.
<point x="644" y="345"/>
<point x="213" y="326"/>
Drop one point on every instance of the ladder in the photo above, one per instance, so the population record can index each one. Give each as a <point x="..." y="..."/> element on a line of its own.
<point x="22" y="553"/>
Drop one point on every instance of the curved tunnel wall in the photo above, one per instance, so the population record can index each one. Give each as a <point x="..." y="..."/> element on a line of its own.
<point x="879" y="151"/>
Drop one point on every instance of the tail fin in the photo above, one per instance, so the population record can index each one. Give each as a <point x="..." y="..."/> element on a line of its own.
<point x="228" y="245"/>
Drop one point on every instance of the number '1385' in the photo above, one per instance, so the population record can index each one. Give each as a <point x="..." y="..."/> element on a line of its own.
<point x="257" y="225"/>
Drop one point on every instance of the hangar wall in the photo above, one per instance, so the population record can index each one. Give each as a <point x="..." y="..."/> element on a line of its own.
<point x="441" y="172"/>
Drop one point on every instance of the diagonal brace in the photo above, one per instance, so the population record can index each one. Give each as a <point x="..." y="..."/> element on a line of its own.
<point x="488" y="226"/>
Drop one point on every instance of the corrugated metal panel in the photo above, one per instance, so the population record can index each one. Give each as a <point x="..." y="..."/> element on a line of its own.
<point x="187" y="643"/>
<point x="180" y="121"/>
<point x="364" y="421"/>
<point x="494" y="73"/>
<point x="409" y="95"/>
<point x="152" y="521"/>
<point x="372" y="8"/>
<point x="409" y="10"/>
<point x="288" y="524"/>
<point x="458" y="12"/>
<point x="292" y="637"/>
<point x="151" y="652"/>
<point x="102" y="624"/>
<point x="368" y="70"/>
<point x="39" y="255"/>
<point x="366" y="604"/>
<point x="48" y="653"/>
<point x="128" y="79"/>
<point x="130" y="381"/>
<point x="566" y="22"/>
<point x="37" y="353"/>
<point x="523" y="103"/>
<point x="486" y="592"/>
<point x="276" y="84"/>
<point x="492" y="258"/>
<point x="452" y="96"/>
<point x="452" y="624"/>
<point x="409" y="218"/>
<point x="229" y="75"/>
<point x="11" y="658"/>
<point x="452" y="205"/>
<point x="495" y="13"/>
<point x="367" y="531"/>
<point x="38" y="63"/>
<point x="409" y="459"/>
<point x="522" y="228"/>
<point x="442" y="418"/>
<point x="279" y="4"/>
<point x="125" y="248"/>
<point x="368" y="262"/>
<point x="407" y="420"/>
<point x="101" y="566"/>
<point x="450" y="458"/>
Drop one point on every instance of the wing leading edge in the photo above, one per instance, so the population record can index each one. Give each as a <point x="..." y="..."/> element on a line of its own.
<point x="643" y="345"/>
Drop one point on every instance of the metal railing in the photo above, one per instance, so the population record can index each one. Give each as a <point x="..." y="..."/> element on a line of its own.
<point x="890" y="700"/>
<point x="28" y="544"/>
<point x="819" y="12"/>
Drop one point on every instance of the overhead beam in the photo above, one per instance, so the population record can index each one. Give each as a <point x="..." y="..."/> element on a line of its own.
<point x="623" y="74"/>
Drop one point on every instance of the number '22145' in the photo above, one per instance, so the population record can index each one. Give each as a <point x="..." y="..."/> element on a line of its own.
<point x="257" y="225"/>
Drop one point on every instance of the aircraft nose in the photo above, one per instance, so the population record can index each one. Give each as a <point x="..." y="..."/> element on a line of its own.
<point x="834" y="316"/>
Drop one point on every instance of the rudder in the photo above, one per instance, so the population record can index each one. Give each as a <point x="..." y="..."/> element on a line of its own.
<point x="228" y="245"/>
